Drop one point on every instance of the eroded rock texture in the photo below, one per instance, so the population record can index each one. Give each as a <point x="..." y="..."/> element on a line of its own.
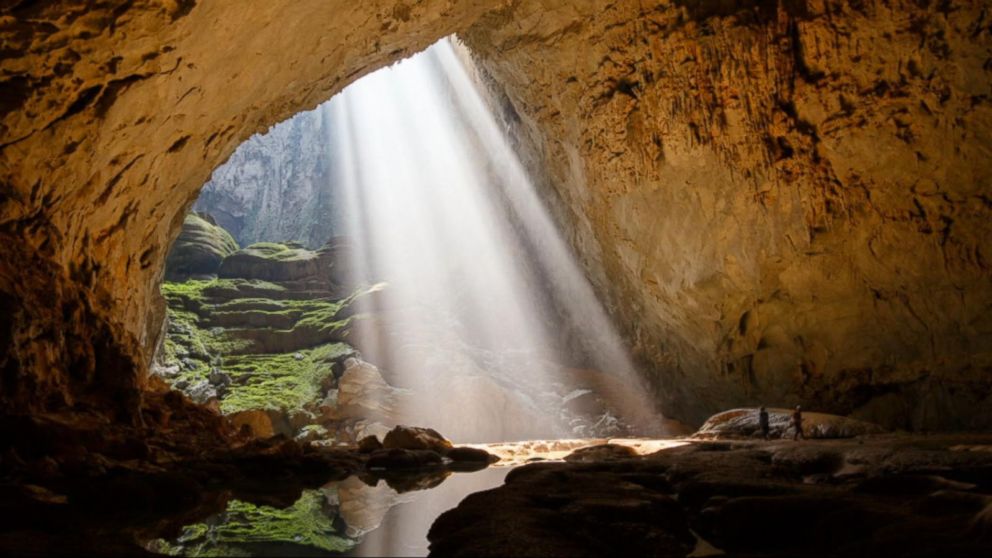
<point x="112" y="117"/>
<point x="782" y="201"/>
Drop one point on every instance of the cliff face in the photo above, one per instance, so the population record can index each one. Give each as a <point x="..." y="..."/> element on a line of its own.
<point x="781" y="201"/>
<point x="785" y="202"/>
<point x="277" y="185"/>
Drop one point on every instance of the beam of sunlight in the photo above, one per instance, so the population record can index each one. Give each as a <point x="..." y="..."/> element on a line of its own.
<point x="486" y="313"/>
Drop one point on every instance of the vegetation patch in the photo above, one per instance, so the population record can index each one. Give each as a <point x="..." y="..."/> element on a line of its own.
<point x="283" y="252"/>
<point x="309" y="525"/>
<point x="280" y="381"/>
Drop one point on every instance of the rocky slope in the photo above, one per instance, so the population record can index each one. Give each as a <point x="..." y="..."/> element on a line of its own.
<point x="782" y="201"/>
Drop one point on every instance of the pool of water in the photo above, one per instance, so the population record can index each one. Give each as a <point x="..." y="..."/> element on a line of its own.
<point x="353" y="517"/>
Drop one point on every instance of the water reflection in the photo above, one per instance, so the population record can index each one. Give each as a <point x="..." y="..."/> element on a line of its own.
<point x="353" y="517"/>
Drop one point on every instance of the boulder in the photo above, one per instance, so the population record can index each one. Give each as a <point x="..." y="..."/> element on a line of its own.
<point x="369" y="444"/>
<point x="416" y="438"/>
<point x="604" y="452"/>
<point x="744" y="423"/>
<point x="199" y="249"/>
<point x="271" y="261"/>
<point x="474" y="455"/>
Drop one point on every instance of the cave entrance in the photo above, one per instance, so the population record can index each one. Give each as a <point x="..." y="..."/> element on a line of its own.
<point x="386" y="259"/>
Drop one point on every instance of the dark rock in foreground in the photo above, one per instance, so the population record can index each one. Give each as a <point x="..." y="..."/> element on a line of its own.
<point x="875" y="496"/>
<point x="466" y="454"/>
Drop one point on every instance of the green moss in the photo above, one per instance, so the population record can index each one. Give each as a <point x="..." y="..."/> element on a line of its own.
<point x="283" y="252"/>
<point x="199" y="249"/>
<point x="279" y="381"/>
<point x="305" y="526"/>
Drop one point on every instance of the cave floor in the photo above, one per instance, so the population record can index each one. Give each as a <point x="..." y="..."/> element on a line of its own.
<point x="883" y="495"/>
<point x="887" y="495"/>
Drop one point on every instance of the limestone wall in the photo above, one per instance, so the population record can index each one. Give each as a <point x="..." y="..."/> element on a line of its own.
<point x="785" y="202"/>
<point x="781" y="201"/>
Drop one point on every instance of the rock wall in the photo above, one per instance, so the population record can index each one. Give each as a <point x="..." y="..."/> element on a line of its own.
<point x="113" y="115"/>
<point x="277" y="185"/>
<point x="785" y="202"/>
<point x="782" y="201"/>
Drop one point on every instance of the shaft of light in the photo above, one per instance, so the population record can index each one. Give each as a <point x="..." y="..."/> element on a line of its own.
<point x="481" y="282"/>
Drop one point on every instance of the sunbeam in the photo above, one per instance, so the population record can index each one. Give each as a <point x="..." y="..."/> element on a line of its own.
<point x="483" y="294"/>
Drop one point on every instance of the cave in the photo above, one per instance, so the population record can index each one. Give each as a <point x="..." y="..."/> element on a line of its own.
<point x="779" y="204"/>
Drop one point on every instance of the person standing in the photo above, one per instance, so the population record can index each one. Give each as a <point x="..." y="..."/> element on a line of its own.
<point x="763" y="422"/>
<point x="797" y="421"/>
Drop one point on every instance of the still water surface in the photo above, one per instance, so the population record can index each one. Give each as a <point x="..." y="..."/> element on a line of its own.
<point x="342" y="518"/>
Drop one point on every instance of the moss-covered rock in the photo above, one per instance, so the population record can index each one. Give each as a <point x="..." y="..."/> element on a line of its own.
<point x="306" y="528"/>
<point x="199" y="249"/>
<point x="282" y="382"/>
<point x="271" y="261"/>
<point x="264" y="338"/>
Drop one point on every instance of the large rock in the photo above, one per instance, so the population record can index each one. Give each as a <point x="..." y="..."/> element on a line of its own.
<point x="416" y="438"/>
<point x="273" y="261"/>
<point x="744" y="423"/>
<point x="363" y="393"/>
<point x="199" y="249"/>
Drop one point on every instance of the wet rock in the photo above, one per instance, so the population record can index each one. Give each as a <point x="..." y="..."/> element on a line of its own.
<point x="369" y="444"/>
<point x="270" y="261"/>
<point x="467" y="454"/>
<point x="416" y="438"/>
<point x="744" y="498"/>
<point x="562" y="512"/>
<point x="605" y="452"/>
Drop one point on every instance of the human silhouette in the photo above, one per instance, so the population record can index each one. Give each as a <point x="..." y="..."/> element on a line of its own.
<point x="797" y="421"/>
<point x="763" y="422"/>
